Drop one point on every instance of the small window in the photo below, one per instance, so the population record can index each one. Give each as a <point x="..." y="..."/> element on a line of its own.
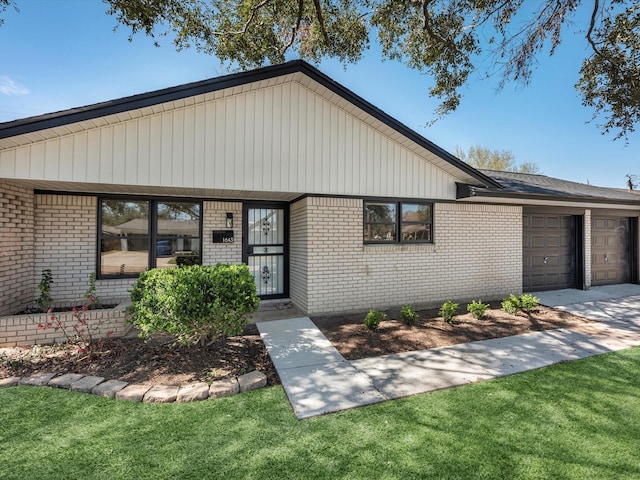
<point x="380" y="222"/>
<point x="416" y="222"/>
<point x="135" y="236"/>
<point x="398" y="222"/>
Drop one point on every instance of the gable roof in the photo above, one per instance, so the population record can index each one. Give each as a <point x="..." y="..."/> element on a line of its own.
<point x="528" y="186"/>
<point x="26" y="126"/>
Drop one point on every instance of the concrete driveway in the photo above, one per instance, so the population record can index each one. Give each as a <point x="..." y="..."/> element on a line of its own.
<point x="614" y="305"/>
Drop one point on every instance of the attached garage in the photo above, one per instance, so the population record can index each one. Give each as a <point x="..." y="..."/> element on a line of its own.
<point x="612" y="247"/>
<point x="574" y="235"/>
<point x="550" y="259"/>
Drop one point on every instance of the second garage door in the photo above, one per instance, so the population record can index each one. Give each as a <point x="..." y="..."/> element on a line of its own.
<point x="549" y="252"/>
<point x="610" y="250"/>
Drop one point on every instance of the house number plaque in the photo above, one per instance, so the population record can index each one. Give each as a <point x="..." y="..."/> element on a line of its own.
<point x="223" y="236"/>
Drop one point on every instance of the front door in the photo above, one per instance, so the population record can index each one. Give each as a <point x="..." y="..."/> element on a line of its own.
<point x="266" y="248"/>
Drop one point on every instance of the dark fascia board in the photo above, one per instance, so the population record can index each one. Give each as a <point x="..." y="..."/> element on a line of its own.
<point x="65" y="117"/>
<point x="469" y="191"/>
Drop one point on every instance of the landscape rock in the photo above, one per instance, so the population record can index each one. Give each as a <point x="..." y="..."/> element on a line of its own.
<point x="161" y="394"/>
<point x="193" y="392"/>
<point x="133" y="392"/>
<point x="86" y="384"/>
<point x="9" y="382"/>
<point x="65" y="380"/>
<point x="109" y="388"/>
<point x="252" y="381"/>
<point x="37" y="379"/>
<point x="224" y="388"/>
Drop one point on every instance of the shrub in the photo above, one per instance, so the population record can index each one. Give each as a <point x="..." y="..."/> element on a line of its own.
<point x="187" y="260"/>
<point x="44" y="300"/>
<point x="79" y="331"/>
<point x="373" y="319"/>
<point x="91" y="296"/>
<point x="477" y="308"/>
<point x="409" y="315"/>
<point x="511" y="304"/>
<point x="448" y="311"/>
<point x="528" y="302"/>
<point x="195" y="303"/>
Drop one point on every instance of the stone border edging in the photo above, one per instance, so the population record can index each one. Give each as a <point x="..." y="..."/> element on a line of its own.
<point x="141" y="393"/>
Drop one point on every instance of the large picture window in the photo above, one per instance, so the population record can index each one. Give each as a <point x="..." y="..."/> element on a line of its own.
<point x="136" y="235"/>
<point x="398" y="222"/>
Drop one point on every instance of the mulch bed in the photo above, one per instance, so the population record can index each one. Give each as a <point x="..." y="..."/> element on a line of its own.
<point x="159" y="361"/>
<point x="353" y="340"/>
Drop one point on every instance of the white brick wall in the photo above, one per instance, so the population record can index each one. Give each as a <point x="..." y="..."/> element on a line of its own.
<point x="16" y="247"/>
<point x="19" y="330"/>
<point x="477" y="253"/>
<point x="65" y="242"/>
<point x="215" y="218"/>
<point x="298" y="253"/>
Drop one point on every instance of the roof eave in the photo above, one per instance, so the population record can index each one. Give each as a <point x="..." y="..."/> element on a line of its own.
<point x="465" y="191"/>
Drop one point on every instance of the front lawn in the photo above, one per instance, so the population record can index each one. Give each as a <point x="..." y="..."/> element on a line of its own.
<point x="577" y="420"/>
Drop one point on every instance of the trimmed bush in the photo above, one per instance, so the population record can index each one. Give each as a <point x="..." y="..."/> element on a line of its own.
<point x="511" y="304"/>
<point x="528" y="302"/>
<point x="477" y="308"/>
<point x="409" y="315"/>
<point x="373" y="319"/>
<point x="195" y="303"/>
<point x="448" y="311"/>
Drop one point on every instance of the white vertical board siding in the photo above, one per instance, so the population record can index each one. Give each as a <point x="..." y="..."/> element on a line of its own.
<point x="283" y="138"/>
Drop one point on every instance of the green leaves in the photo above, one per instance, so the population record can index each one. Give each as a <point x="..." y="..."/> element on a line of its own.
<point x="610" y="78"/>
<point x="449" y="40"/>
<point x="196" y="303"/>
<point x="448" y="311"/>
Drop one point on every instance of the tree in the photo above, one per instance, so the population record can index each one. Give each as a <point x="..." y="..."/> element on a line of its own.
<point x="3" y="7"/>
<point x="447" y="39"/>
<point x="481" y="157"/>
<point x="632" y="181"/>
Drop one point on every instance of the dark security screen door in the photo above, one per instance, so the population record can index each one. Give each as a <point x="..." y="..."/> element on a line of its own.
<point x="266" y="249"/>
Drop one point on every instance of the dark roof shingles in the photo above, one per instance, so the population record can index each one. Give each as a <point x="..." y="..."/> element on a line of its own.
<point x="535" y="184"/>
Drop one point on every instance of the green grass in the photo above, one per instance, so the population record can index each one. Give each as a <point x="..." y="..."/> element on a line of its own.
<point x="578" y="420"/>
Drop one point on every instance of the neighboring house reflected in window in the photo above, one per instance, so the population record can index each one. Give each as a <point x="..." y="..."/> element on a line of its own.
<point x="137" y="235"/>
<point x="397" y="222"/>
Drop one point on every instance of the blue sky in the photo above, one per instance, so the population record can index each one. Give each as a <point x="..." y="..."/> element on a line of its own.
<point x="64" y="54"/>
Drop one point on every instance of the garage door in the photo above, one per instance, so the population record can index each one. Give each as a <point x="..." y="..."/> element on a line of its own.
<point x="549" y="252"/>
<point x="610" y="250"/>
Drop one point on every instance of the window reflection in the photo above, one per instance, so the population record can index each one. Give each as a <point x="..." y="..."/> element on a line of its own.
<point x="379" y="222"/>
<point x="416" y="222"/>
<point x="124" y="242"/>
<point x="131" y="229"/>
<point x="178" y="234"/>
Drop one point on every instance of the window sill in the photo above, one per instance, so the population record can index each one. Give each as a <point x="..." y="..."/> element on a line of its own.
<point x="399" y="247"/>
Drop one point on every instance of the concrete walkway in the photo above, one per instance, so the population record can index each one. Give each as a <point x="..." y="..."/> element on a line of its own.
<point x="318" y="380"/>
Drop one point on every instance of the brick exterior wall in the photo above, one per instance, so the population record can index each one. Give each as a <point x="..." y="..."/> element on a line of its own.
<point x="477" y="253"/>
<point x="16" y="247"/>
<point x="22" y="330"/>
<point x="65" y="242"/>
<point x="298" y="253"/>
<point x="215" y="218"/>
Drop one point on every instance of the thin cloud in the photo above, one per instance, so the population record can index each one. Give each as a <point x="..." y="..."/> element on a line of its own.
<point x="11" y="87"/>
